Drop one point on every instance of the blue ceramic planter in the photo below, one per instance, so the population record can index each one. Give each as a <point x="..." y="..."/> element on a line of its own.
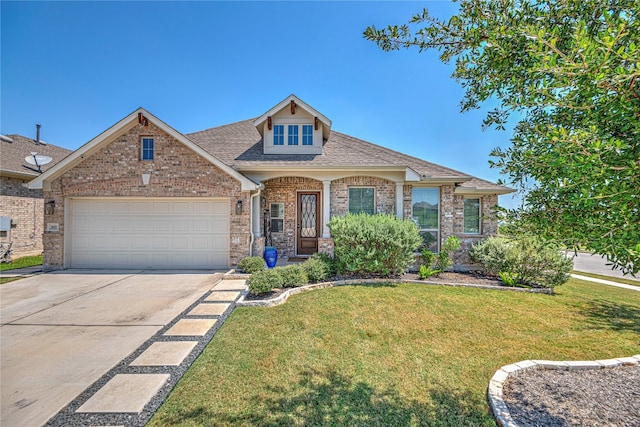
<point x="270" y="256"/>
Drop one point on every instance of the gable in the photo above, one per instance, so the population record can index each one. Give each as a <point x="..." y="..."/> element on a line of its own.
<point x="293" y="127"/>
<point x="143" y="122"/>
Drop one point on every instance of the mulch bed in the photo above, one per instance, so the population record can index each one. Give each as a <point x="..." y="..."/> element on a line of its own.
<point x="557" y="398"/>
<point x="471" y="278"/>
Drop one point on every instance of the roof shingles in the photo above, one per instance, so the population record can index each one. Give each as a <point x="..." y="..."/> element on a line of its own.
<point x="239" y="145"/>
<point x="12" y="155"/>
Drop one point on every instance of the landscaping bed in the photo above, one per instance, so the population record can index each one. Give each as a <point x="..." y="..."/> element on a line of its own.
<point x="473" y="278"/>
<point x="558" y="398"/>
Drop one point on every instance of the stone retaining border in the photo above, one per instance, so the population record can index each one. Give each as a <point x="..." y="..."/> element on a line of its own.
<point x="494" y="392"/>
<point x="282" y="298"/>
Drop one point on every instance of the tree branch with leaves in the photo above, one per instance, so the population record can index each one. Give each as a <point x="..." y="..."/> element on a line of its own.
<point x="570" y="71"/>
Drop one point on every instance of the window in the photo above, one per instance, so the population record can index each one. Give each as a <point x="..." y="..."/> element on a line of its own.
<point x="276" y="217"/>
<point x="278" y="135"/>
<point x="425" y="204"/>
<point x="146" y="149"/>
<point x="307" y="135"/>
<point x="471" y="216"/>
<point x="293" y="135"/>
<point x="362" y="199"/>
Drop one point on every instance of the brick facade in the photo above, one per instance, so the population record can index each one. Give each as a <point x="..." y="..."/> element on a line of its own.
<point x="385" y="193"/>
<point x="25" y="207"/>
<point x="284" y="190"/>
<point x="116" y="171"/>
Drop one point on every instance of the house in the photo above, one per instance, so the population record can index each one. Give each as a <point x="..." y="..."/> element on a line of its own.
<point x="22" y="209"/>
<point x="143" y="195"/>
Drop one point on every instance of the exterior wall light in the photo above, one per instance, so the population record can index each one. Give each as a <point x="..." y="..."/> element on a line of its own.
<point x="239" y="207"/>
<point x="50" y="207"/>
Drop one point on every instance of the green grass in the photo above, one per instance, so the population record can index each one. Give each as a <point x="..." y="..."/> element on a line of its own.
<point x="392" y="355"/>
<point x="612" y="279"/>
<point x="27" y="261"/>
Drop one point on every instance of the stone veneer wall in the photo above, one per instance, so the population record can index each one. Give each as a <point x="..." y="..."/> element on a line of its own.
<point x="385" y="193"/>
<point x="116" y="171"/>
<point x="284" y="190"/>
<point x="25" y="207"/>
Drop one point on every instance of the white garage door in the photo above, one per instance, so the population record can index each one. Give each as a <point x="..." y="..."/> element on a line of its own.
<point x="148" y="233"/>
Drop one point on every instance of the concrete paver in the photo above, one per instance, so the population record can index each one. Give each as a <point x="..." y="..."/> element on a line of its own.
<point x="208" y="309"/>
<point x="223" y="296"/>
<point x="125" y="393"/>
<point x="165" y="353"/>
<point x="231" y="285"/>
<point x="62" y="331"/>
<point x="191" y="327"/>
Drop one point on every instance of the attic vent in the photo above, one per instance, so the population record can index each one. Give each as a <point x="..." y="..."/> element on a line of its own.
<point x="5" y="138"/>
<point x="293" y="106"/>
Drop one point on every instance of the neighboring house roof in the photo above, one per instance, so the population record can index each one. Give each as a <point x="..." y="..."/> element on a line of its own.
<point x="240" y="146"/>
<point x="14" y="149"/>
<point x="114" y="131"/>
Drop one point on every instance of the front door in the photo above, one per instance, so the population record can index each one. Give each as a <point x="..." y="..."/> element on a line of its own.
<point x="308" y="223"/>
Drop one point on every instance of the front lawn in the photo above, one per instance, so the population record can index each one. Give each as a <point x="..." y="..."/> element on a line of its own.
<point x="27" y="261"/>
<point x="392" y="355"/>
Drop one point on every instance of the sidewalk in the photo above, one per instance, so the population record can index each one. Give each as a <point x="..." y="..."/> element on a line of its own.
<point x="606" y="282"/>
<point x="22" y="272"/>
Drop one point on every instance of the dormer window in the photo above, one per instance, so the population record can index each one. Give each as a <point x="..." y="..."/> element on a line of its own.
<point x="307" y="135"/>
<point x="278" y="135"/>
<point x="293" y="135"/>
<point x="293" y="127"/>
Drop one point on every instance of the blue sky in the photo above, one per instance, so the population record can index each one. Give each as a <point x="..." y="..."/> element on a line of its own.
<point x="79" y="67"/>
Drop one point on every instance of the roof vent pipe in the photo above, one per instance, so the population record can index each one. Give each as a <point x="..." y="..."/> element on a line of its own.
<point x="38" y="133"/>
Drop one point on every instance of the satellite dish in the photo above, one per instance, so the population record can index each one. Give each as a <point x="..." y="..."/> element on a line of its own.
<point x="38" y="160"/>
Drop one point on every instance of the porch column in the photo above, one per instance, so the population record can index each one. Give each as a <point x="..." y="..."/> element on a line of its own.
<point x="326" y="208"/>
<point x="399" y="204"/>
<point x="255" y="215"/>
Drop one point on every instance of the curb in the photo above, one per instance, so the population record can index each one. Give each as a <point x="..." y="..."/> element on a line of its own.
<point x="498" y="406"/>
<point x="281" y="299"/>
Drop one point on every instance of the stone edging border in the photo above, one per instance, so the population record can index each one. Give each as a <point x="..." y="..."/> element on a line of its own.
<point x="281" y="299"/>
<point x="494" y="392"/>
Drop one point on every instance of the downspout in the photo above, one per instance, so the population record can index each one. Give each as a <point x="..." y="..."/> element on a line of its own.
<point x="251" y="219"/>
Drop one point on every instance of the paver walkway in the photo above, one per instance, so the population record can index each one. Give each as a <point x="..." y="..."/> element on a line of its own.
<point x="129" y="394"/>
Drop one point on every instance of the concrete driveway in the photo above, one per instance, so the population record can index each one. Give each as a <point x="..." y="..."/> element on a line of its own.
<point x="60" y="332"/>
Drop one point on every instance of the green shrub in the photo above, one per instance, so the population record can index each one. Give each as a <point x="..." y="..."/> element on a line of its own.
<point x="426" y="272"/>
<point x="251" y="264"/>
<point x="264" y="281"/>
<point x="292" y="275"/>
<point x="317" y="268"/>
<point x="443" y="259"/>
<point x="508" y="278"/>
<point x="537" y="262"/>
<point x="492" y="254"/>
<point x="380" y="245"/>
<point x="427" y="257"/>
<point x="531" y="260"/>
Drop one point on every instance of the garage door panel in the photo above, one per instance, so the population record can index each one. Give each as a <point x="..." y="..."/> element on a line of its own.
<point x="149" y="233"/>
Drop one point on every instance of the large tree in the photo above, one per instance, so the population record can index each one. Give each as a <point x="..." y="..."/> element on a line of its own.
<point x="568" y="72"/>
